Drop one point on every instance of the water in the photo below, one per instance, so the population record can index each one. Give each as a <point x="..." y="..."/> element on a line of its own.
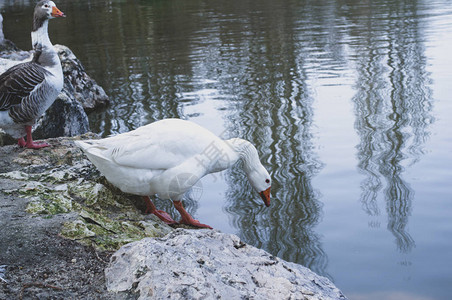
<point x="348" y="103"/>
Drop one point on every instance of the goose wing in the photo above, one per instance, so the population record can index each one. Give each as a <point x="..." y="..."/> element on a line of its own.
<point x="18" y="82"/>
<point x="152" y="153"/>
<point x="134" y="154"/>
<point x="158" y="146"/>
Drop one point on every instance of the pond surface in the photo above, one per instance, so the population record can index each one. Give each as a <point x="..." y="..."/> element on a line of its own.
<point x="348" y="103"/>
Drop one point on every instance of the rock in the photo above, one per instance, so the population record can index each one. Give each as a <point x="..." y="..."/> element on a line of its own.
<point x="11" y="55"/>
<point x="9" y="51"/>
<point x="84" y="89"/>
<point x="65" y="117"/>
<point x="207" y="264"/>
<point x="2" y="273"/>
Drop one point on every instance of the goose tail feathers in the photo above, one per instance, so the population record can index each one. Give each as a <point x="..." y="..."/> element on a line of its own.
<point x="91" y="148"/>
<point x="82" y="144"/>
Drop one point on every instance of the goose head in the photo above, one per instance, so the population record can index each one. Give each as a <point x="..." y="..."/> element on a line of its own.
<point x="46" y="9"/>
<point x="257" y="175"/>
<point x="260" y="180"/>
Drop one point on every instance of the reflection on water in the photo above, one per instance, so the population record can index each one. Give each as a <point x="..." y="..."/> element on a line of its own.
<point x="392" y="110"/>
<point x="286" y="229"/>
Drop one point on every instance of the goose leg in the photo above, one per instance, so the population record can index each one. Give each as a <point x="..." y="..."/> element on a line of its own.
<point x="186" y="218"/>
<point x="162" y="215"/>
<point x="29" y="143"/>
<point x="21" y="142"/>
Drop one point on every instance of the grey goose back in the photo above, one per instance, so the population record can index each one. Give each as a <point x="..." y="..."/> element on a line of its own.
<point x="28" y="89"/>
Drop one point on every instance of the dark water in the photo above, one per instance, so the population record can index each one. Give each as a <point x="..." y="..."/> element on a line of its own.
<point x="347" y="101"/>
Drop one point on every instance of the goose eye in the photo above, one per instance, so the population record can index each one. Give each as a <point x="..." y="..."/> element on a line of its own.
<point x="267" y="180"/>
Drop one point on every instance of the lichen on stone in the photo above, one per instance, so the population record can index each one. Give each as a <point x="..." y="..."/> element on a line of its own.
<point x="76" y="230"/>
<point x="96" y="194"/>
<point x="17" y="175"/>
<point x="50" y="203"/>
<point x="106" y="233"/>
<point x="35" y="206"/>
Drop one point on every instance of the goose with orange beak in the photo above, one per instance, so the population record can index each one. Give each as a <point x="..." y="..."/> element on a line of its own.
<point x="28" y="89"/>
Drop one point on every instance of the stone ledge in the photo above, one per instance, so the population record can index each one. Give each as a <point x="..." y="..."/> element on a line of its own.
<point x="208" y="264"/>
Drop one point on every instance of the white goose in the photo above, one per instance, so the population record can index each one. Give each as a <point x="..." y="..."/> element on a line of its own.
<point x="167" y="158"/>
<point x="28" y="89"/>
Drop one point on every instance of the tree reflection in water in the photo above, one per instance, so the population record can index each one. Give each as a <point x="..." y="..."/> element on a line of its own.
<point x="392" y="108"/>
<point x="273" y="110"/>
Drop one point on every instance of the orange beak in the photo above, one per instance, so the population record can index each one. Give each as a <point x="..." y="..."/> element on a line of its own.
<point x="265" y="195"/>
<point x="57" y="13"/>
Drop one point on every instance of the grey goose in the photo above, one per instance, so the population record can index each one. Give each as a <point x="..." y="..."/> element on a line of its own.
<point x="28" y="89"/>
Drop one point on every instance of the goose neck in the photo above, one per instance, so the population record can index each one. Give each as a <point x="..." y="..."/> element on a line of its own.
<point x="40" y="37"/>
<point x="246" y="152"/>
<point x="45" y="54"/>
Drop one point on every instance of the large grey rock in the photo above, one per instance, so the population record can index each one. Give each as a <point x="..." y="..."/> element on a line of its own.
<point x="65" y="117"/>
<point x="80" y="84"/>
<point x="207" y="264"/>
